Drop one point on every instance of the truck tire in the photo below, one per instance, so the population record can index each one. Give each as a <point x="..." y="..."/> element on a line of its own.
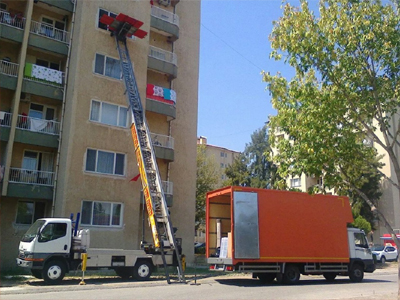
<point x="142" y="270"/>
<point x="124" y="273"/>
<point x="330" y="276"/>
<point x="291" y="274"/>
<point x="37" y="273"/>
<point x="266" y="277"/>
<point x="356" y="273"/>
<point x="54" y="272"/>
<point x="383" y="260"/>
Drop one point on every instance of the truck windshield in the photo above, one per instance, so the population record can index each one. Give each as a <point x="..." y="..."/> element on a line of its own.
<point x="33" y="231"/>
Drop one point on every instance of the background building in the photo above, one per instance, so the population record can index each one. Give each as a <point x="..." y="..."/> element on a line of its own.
<point x="66" y="146"/>
<point x="223" y="157"/>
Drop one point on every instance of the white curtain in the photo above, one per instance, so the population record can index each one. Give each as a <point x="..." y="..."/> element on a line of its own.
<point x="105" y="162"/>
<point x="95" y="112"/>
<point x="113" y="68"/>
<point x="109" y="114"/>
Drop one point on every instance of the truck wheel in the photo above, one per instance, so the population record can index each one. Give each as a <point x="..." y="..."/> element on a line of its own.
<point x="330" y="276"/>
<point x="291" y="275"/>
<point x="266" y="277"/>
<point x="124" y="273"/>
<point x="37" y="274"/>
<point x="383" y="260"/>
<point x="54" y="272"/>
<point x="356" y="273"/>
<point x="142" y="270"/>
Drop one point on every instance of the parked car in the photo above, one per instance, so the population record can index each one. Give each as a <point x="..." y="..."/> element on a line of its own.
<point x="200" y="248"/>
<point x="384" y="253"/>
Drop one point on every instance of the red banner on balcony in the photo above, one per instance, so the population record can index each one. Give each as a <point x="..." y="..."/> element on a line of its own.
<point x="159" y="93"/>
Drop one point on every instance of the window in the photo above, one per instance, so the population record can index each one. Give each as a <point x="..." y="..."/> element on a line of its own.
<point x="53" y="28"/>
<point x="360" y="240"/>
<point x="110" y="114"/>
<point x="3" y="6"/>
<point x="222" y="154"/>
<point x="48" y="64"/>
<point x="39" y="111"/>
<point x="105" y="162"/>
<point x="40" y="161"/>
<point x="107" y="66"/>
<point x="222" y="165"/>
<point x="104" y="12"/>
<point x="53" y="231"/>
<point x="101" y="213"/>
<point x="29" y="211"/>
<point x="295" y="182"/>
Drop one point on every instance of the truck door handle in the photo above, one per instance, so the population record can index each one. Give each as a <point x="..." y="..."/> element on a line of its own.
<point x="65" y="247"/>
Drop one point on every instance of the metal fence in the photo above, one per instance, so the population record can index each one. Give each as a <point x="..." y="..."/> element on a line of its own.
<point x="168" y="187"/>
<point x="38" y="125"/>
<point x="164" y="15"/>
<point x="49" y="31"/>
<point x="163" y="55"/>
<point x="162" y="140"/>
<point x="31" y="177"/>
<point x="5" y="119"/>
<point x="13" y="20"/>
<point x="8" y="68"/>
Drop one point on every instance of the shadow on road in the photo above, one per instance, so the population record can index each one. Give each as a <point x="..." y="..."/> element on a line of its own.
<point x="249" y="282"/>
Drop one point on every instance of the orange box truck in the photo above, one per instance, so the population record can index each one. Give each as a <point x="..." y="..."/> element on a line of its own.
<point x="280" y="235"/>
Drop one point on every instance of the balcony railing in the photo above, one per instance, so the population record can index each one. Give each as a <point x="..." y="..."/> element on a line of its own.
<point x="164" y="15"/>
<point x="5" y="119"/>
<point x="44" y="75"/>
<point x="13" y="20"/>
<point x="38" y="125"/>
<point x="163" y="55"/>
<point x="49" y="31"/>
<point x="31" y="177"/>
<point x="168" y="187"/>
<point x="8" y="68"/>
<point x="160" y="140"/>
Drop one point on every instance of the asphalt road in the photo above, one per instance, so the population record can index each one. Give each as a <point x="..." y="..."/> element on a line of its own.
<point x="382" y="284"/>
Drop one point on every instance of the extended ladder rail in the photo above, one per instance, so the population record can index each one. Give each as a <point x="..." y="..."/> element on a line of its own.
<point x="156" y="204"/>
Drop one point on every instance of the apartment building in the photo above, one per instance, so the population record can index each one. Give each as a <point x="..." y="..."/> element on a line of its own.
<point x="223" y="157"/>
<point x="66" y="145"/>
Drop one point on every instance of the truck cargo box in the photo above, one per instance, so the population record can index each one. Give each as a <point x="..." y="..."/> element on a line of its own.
<point x="277" y="226"/>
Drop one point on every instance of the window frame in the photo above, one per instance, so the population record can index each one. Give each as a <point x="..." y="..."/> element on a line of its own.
<point x="35" y="209"/>
<point x="121" y="217"/>
<point x="292" y="180"/>
<point x="100" y="113"/>
<point x="104" y="66"/>
<point x="114" y="162"/>
<point x="5" y="5"/>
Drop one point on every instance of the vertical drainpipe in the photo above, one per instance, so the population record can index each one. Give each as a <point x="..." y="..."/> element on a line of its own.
<point x="17" y="96"/>
<point x="53" y="205"/>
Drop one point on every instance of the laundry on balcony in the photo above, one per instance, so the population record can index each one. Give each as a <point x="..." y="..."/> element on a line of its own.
<point x="37" y="124"/>
<point x="43" y="73"/>
<point x="160" y="94"/>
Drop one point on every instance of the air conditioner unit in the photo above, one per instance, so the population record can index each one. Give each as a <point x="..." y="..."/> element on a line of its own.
<point x="164" y="2"/>
<point x="25" y="97"/>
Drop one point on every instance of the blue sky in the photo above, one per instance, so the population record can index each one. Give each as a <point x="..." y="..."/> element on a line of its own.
<point x="234" y="48"/>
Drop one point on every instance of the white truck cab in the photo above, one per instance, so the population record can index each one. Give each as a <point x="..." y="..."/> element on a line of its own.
<point x="51" y="247"/>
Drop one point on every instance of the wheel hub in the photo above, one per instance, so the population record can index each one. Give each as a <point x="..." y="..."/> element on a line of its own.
<point x="54" y="272"/>
<point x="143" y="270"/>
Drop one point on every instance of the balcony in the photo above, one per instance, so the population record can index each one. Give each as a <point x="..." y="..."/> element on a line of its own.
<point x="67" y="5"/>
<point x="39" y="132"/>
<point x="165" y="22"/>
<point x="161" y="100"/>
<point x="163" y="146"/>
<point x="49" y="38"/>
<point x="43" y="81"/>
<point x="163" y="61"/>
<point x="5" y="124"/>
<point x="22" y="181"/>
<point x="168" y="193"/>
<point x="11" y="26"/>
<point x="8" y="74"/>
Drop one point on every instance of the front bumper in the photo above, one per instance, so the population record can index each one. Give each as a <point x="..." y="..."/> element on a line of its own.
<point x="24" y="263"/>
<point x="369" y="266"/>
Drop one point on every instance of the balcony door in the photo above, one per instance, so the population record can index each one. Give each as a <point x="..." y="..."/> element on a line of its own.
<point x="37" y="167"/>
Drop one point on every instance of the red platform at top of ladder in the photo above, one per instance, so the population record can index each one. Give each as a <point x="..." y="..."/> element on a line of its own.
<point x="115" y="24"/>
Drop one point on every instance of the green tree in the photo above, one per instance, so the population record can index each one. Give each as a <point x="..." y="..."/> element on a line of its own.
<point x="237" y="172"/>
<point x="254" y="166"/>
<point x="207" y="179"/>
<point x="344" y="96"/>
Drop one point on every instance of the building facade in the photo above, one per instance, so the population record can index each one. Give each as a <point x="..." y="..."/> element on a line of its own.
<point x="66" y="145"/>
